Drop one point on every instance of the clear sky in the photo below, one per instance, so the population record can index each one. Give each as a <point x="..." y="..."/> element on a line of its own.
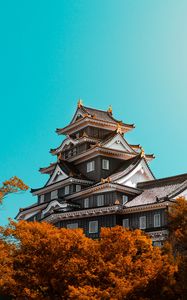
<point x="131" y="54"/>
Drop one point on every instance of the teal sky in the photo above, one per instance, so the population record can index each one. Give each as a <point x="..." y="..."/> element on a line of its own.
<point x="131" y="54"/>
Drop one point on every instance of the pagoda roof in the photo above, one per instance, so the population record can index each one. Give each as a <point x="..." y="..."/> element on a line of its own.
<point x="104" y="187"/>
<point x="83" y="213"/>
<point x="159" y="190"/>
<point x="65" y="144"/>
<point x="129" y="166"/>
<point x="102" y="115"/>
<point x="163" y="181"/>
<point x="65" y="166"/>
<point x="58" y="184"/>
<point x="85" y="116"/>
<point x="119" y="138"/>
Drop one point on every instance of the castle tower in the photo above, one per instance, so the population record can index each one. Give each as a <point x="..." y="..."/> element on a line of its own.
<point x="100" y="180"/>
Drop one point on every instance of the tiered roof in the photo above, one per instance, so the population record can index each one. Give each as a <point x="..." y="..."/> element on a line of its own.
<point x="159" y="190"/>
<point x="94" y="117"/>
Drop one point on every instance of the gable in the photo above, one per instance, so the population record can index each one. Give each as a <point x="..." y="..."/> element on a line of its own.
<point x="140" y="174"/>
<point x="78" y="115"/>
<point x="54" y="204"/>
<point x="119" y="143"/>
<point x="57" y="175"/>
<point x="65" y="144"/>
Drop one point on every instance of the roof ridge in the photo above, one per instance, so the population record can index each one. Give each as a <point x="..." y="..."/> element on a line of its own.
<point x="164" y="179"/>
<point x="86" y="107"/>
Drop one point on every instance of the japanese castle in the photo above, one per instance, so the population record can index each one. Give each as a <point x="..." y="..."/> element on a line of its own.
<point x="100" y="180"/>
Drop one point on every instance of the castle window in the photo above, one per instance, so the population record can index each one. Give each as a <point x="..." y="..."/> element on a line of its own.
<point x="54" y="194"/>
<point x="90" y="166"/>
<point x="142" y="222"/>
<point x="72" y="226"/>
<point x="93" y="226"/>
<point x="41" y="198"/>
<point x="66" y="190"/>
<point x="100" y="200"/>
<point x="78" y="187"/>
<point x="74" y="151"/>
<point x="156" y="220"/>
<point x="157" y="243"/>
<point x="126" y="223"/>
<point x="105" y="164"/>
<point x="124" y="199"/>
<point x="86" y="202"/>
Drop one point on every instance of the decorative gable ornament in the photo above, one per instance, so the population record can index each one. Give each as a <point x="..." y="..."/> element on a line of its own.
<point x="57" y="175"/>
<point x="118" y="143"/>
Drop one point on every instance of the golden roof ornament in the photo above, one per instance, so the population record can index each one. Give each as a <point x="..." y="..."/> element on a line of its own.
<point x="84" y="134"/>
<point x="106" y="180"/>
<point x="59" y="156"/>
<point x="117" y="202"/>
<point x="119" y="130"/>
<point x="110" y="109"/>
<point x="80" y="103"/>
<point x="142" y="153"/>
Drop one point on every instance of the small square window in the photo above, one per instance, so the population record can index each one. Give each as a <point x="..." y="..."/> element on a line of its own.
<point x="86" y="202"/>
<point x="105" y="164"/>
<point x="93" y="226"/>
<point x="157" y="243"/>
<point x="156" y="220"/>
<point x="66" y="190"/>
<point x="142" y="222"/>
<point x="78" y="187"/>
<point x="54" y="194"/>
<point x="72" y="226"/>
<point x="42" y="198"/>
<point x="100" y="200"/>
<point x="124" y="199"/>
<point x="126" y="223"/>
<point x="90" y="166"/>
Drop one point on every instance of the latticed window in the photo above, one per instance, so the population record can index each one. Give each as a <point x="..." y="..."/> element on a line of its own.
<point x="157" y="243"/>
<point x="126" y="223"/>
<point x="66" y="190"/>
<point x="105" y="164"/>
<point x="74" y="151"/>
<point x="72" y="226"/>
<point x="100" y="200"/>
<point x="156" y="220"/>
<point x="86" y="202"/>
<point x="78" y="187"/>
<point x="124" y="199"/>
<point x="54" y="194"/>
<point x="90" y="166"/>
<point x="142" y="222"/>
<point x="42" y="198"/>
<point x="93" y="226"/>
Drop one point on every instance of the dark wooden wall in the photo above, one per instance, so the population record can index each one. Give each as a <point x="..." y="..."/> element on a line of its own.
<point x="99" y="173"/>
<point x="103" y="221"/>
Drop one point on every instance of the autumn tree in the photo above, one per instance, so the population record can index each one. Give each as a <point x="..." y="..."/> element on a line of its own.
<point x="178" y="241"/>
<point x="58" y="263"/>
<point x="13" y="185"/>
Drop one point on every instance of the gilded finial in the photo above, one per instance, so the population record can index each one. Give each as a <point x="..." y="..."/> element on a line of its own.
<point x="142" y="153"/>
<point x="110" y="109"/>
<point x="119" y="130"/>
<point x="117" y="202"/>
<point x="106" y="180"/>
<point x="59" y="156"/>
<point x="80" y="103"/>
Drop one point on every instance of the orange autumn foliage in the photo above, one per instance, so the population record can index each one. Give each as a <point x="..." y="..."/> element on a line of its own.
<point x="13" y="185"/>
<point x="58" y="263"/>
<point x="178" y="241"/>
